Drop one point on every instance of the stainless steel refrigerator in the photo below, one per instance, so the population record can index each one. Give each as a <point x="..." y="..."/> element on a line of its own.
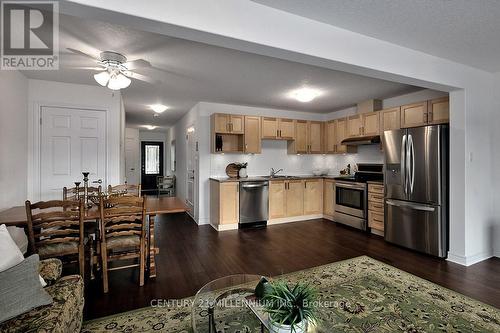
<point x="416" y="188"/>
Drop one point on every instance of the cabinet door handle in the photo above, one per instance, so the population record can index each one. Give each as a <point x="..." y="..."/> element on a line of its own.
<point x="277" y="133"/>
<point x="305" y="184"/>
<point x="425" y="117"/>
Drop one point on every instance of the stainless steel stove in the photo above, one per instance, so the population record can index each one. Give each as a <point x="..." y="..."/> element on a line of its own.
<point x="351" y="195"/>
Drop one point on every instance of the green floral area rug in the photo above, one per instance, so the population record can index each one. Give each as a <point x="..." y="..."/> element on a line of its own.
<point x="355" y="295"/>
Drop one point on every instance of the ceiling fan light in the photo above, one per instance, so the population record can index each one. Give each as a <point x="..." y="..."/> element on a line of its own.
<point x="118" y="82"/>
<point x="102" y="78"/>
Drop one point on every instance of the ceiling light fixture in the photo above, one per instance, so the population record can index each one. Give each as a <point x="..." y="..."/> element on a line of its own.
<point x="150" y="127"/>
<point x="114" y="69"/>
<point x="305" y="95"/>
<point x="158" y="108"/>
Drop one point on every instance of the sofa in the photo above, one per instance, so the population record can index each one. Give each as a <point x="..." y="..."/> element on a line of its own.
<point x="65" y="314"/>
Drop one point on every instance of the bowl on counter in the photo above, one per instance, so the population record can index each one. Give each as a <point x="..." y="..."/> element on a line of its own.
<point x="317" y="172"/>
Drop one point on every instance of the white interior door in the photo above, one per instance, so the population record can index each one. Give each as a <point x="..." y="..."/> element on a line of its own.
<point x="191" y="170"/>
<point x="132" y="156"/>
<point x="72" y="141"/>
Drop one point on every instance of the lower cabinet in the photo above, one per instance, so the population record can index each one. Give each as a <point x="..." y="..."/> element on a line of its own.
<point x="224" y="202"/>
<point x="329" y="197"/>
<point x="277" y="199"/>
<point x="294" y="198"/>
<point x="313" y="196"/>
<point x="376" y="207"/>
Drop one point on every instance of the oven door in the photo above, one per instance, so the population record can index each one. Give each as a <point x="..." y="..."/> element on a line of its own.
<point x="350" y="198"/>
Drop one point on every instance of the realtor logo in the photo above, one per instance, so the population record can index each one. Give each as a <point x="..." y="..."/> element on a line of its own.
<point x="29" y="35"/>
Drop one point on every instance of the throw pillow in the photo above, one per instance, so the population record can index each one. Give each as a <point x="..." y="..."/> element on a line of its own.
<point x="11" y="255"/>
<point x="20" y="289"/>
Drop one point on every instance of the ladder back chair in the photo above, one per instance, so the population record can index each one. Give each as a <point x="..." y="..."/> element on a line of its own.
<point x="123" y="234"/>
<point x="71" y="193"/>
<point x="55" y="229"/>
<point x="125" y="190"/>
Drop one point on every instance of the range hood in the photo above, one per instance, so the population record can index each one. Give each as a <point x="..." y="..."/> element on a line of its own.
<point x="361" y="140"/>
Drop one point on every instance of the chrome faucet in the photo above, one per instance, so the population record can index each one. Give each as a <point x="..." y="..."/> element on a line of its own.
<point x="274" y="173"/>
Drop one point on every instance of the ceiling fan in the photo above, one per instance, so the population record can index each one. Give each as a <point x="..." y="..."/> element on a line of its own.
<point x="116" y="71"/>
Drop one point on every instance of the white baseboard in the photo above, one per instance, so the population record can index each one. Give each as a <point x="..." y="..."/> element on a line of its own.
<point x="225" y="227"/>
<point x="468" y="260"/>
<point x="294" y="219"/>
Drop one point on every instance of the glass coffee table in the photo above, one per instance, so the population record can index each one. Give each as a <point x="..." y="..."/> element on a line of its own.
<point x="229" y="305"/>
<point x="221" y="306"/>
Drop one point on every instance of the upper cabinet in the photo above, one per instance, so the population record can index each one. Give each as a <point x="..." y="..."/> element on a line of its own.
<point x="435" y="111"/>
<point x="252" y="134"/>
<point x="308" y="138"/>
<point x="341" y="134"/>
<point x="363" y="124"/>
<point x="439" y="111"/>
<point x="390" y="119"/>
<point x="371" y="123"/>
<point x="330" y="137"/>
<point x="243" y="134"/>
<point x="315" y="137"/>
<point x="227" y="133"/>
<point x="226" y="123"/>
<point x="354" y="126"/>
<point x="276" y="128"/>
<point x="414" y="115"/>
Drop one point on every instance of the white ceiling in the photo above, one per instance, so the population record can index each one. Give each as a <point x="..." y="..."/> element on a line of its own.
<point x="207" y="73"/>
<point x="465" y="31"/>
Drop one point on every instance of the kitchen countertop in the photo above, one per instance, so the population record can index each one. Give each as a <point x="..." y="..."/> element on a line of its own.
<point x="260" y="178"/>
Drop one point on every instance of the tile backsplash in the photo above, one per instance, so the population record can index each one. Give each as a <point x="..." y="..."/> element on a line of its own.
<point x="274" y="155"/>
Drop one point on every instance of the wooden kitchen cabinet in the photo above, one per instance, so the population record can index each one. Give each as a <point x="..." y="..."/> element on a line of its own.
<point x="439" y="111"/>
<point x="371" y="123"/>
<point x="300" y="144"/>
<point x="354" y="125"/>
<point x="224" y="202"/>
<point x="277" y="199"/>
<point x="230" y="130"/>
<point x="237" y="124"/>
<point x="269" y="128"/>
<point x="363" y="124"/>
<point x="390" y="119"/>
<point x="286" y="128"/>
<point x="330" y="137"/>
<point x="341" y="134"/>
<point x="313" y="196"/>
<point x="315" y="135"/>
<point x="252" y="136"/>
<point x="376" y="206"/>
<point x="414" y="115"/>
<point x="329" y="197"/>
<point x="294" y="198"/>
<point x="276" y="128"/>
<point x="226" y="123"/>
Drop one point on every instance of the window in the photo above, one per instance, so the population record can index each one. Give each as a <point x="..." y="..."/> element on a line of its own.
<point x="152" y="160"/>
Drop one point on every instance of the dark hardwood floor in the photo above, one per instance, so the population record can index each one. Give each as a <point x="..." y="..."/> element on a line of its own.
<point x="191" y="256"/>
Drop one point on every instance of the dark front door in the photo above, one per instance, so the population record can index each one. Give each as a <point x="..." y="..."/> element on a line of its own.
<point x="151" y="164"/>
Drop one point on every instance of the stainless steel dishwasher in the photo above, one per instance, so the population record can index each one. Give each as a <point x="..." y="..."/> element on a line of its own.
<point x="254" y="203"/>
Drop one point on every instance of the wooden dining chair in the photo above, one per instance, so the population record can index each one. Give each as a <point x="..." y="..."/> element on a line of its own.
<point x="71" y="194"/>
<point x="125" y="190"/>
<point x="123" y="234"/>
<point x="55" y="229"/>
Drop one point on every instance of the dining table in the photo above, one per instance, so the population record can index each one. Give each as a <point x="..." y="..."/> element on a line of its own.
<point x="16" y="216"/>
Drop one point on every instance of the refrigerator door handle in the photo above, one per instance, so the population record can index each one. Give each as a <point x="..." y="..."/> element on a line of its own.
<point x="410" y="205"/>
<point x="412" y="162"/>
<point x="403" y="162"/>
